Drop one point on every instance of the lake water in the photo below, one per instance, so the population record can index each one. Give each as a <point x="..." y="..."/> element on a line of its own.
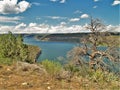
<point x="56" y="50"/>
<point x="50" y="50"/>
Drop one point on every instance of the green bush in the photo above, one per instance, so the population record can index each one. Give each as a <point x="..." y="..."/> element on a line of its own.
<point x="6" y="61"/>
<point x="72" y="69"/>
<point x="103" y="77"/>
<point x="52" y="67"/>
<point x="12" y="47"/>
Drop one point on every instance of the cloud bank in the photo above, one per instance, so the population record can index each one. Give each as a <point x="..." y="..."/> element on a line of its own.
<point x="45" y="28"/>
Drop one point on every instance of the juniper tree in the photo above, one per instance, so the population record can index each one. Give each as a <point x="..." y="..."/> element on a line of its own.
<point x="91" y="48"/>
<point x="12" y="46"/>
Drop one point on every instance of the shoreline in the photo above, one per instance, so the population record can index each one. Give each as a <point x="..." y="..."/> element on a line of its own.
<point x="34" y="53"/>
<point x="37" y="56"/>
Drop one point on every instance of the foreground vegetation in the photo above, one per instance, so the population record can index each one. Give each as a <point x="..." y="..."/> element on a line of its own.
<point x="51" y="76"/>
<point x="13" y="49"/>
<point x="18" y="72"/>
<point x="18" y="69"/>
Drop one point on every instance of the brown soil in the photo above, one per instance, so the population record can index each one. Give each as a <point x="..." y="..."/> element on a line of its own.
<point x="13" y="79"/>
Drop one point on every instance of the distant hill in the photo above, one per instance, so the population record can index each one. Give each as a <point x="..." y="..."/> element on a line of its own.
<point x="66" y="37"/>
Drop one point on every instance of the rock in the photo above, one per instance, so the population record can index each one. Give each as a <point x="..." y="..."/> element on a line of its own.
<point x="25" y="67"/>
<point x="48" y="87"/>
<point x="64" y="75"/>
<point x="25" y="84"/>
<point x="8" y="69"/>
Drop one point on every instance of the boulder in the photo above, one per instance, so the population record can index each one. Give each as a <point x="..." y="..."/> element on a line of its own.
<point x="64" y="75"/>
<point x="26" y="67"/>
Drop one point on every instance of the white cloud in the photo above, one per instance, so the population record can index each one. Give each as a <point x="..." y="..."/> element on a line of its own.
<point x="53" y="0"/>
<point x="13" y="6"/>
<point x="62" y="1"/>
<point x="116" y="2"/>
<point x="45" y="28"/>
<point x="74" y="19"/>
<point x="95" y="6"/>
<point x="5" y="29"/>
<point x="42" y="28"/>
<point x="36" y="4"/>
<point x="55" y="17"/>
<point x="77" y="12"/>
<point x="95" y="0"/>
<point x="32" y="24"/>
<point x="84" y="16"/>
<point x="112" y="28"/>
<point x="20" y="26"/>
<point x="38" y="18"/>
<point x="5" y="19"/>
<point x="63" y="23"/>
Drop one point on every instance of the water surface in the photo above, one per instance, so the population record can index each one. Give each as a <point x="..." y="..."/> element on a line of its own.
<point x="58" y="50"/>
<point x="50" y="50"/>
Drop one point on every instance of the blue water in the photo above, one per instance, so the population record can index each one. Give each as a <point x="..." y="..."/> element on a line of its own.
<point x="50" y="50"/>
<point x="58" y="51"/>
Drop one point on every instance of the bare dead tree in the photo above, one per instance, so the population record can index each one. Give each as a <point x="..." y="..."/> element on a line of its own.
<point x="91" y="47"/>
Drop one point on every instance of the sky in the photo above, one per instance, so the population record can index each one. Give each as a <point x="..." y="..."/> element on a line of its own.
<point x="57" y="16"/>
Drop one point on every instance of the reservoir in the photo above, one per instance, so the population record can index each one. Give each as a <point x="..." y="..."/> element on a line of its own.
<point x="50" y="50"/>
<point x="57" y="51"/>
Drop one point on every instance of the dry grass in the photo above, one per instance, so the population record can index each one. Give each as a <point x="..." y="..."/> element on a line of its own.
<point x="12" y="79"/>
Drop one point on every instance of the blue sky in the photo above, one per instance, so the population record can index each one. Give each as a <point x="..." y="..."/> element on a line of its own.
<point x="53" y="15"/>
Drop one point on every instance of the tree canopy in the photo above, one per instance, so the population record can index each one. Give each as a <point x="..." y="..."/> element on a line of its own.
<point x="11" y="46"/>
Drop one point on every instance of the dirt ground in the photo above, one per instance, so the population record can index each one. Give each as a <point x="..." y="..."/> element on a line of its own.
<point x="13" y="79"/>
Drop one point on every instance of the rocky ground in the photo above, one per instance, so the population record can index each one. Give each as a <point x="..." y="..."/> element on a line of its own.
<point x="24" y="76"/>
